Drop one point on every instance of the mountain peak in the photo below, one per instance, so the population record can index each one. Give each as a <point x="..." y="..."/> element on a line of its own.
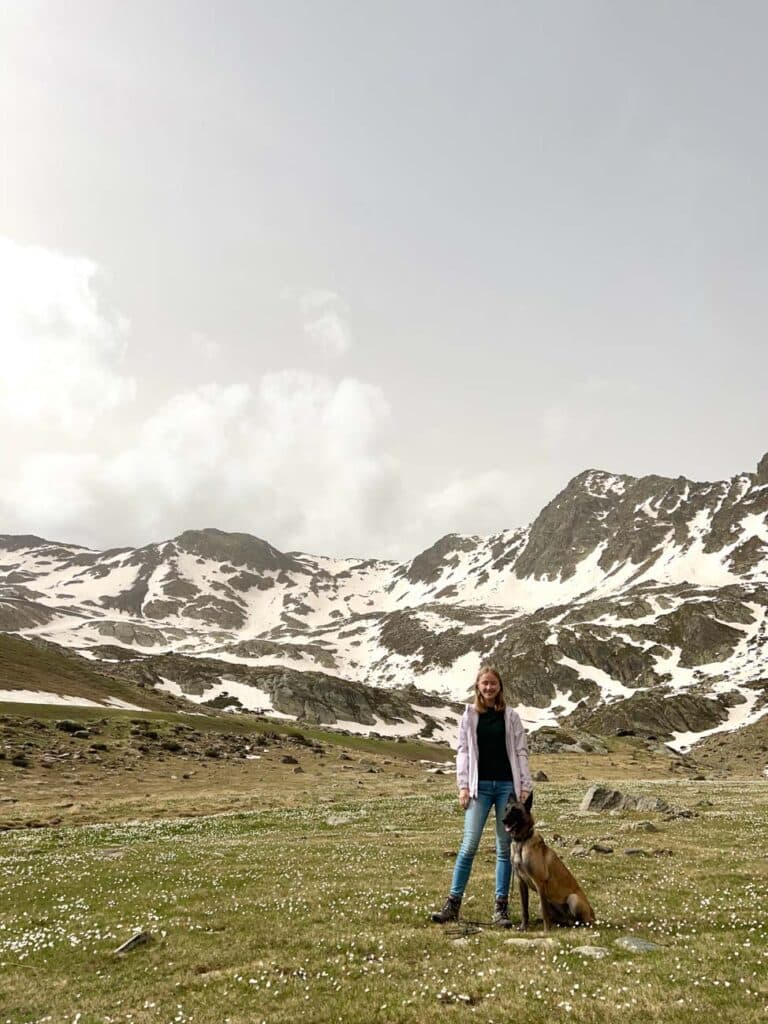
<point x="240" y="549"/>
<point x="425" y="568"/>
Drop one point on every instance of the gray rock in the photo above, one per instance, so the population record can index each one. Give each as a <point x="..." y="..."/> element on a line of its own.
<point x="526" y="943"/>
<point x="430" y="564"/>
<point x="602" y="798"/>
<point x="639" y="826"/>
<point x="636" y="945"/>
<point x="595" y="952"/>
<point x="138" y="939"/>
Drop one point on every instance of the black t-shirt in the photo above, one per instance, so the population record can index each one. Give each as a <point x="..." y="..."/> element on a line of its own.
<point x="492" y="747"/>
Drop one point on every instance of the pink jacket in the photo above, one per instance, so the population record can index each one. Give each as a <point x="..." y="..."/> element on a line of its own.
<point x="467" y="756"/>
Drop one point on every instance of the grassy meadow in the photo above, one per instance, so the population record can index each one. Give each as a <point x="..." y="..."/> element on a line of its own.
<point x="308" y="900"/>
<point x="288" y="876"/>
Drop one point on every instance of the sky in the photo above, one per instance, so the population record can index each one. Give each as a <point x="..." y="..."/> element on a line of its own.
<point x="349" y="276"/>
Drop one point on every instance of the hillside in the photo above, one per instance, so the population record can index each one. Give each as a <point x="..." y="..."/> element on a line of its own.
<point x="627" y="604"/>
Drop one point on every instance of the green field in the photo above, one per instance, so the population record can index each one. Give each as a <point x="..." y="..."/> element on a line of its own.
<point x="319" y="912"/>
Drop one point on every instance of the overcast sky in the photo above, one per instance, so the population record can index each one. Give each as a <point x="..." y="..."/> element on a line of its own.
<point x="353" y="275"/>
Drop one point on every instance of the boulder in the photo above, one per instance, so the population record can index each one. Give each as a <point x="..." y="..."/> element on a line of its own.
<point x="602" y="798"/>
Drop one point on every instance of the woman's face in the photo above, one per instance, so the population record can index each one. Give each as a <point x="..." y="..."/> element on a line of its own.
<point x="488" y="687"/>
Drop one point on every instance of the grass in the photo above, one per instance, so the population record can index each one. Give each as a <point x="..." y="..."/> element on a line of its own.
<point x="221" y="722"/>
<point x="29" y="666"/>
<point x="319" y="912"/>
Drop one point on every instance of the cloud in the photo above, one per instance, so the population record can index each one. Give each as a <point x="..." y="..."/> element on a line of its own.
<point x="325" y="321"/>
<point x="302" y="459"/>
<point x="479" y="503"/>
<point x="330" y="332"/>
<point x="299" y="459"/>
<point x="51" y="489"/>
<point x="60" y="351"/>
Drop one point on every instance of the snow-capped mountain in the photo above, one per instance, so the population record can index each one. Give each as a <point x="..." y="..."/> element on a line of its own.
<point x="627" y="603"/>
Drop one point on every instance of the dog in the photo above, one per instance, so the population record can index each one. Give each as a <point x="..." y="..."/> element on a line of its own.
<point x="561" y="897"/>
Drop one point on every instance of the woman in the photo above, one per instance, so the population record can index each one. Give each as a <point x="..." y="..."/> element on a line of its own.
<point x="491" y="766"/>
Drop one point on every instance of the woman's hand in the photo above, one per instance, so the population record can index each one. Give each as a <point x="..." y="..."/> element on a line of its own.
<point x="464" y="799"/>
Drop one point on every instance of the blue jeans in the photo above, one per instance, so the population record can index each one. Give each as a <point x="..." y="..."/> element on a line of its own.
<point x="489" y="794"/>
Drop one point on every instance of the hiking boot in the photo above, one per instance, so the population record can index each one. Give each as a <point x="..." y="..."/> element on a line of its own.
<point x="501" y="913"/>
<point x="450" y="911"/>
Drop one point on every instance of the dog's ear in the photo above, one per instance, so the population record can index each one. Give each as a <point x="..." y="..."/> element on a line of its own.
<point x="528" y="802"/>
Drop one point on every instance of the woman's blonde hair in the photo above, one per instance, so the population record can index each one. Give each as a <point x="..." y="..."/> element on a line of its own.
<point x="500" y="704"/>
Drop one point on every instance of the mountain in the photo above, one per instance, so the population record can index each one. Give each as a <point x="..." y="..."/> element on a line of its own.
<point x="629" y="603"/>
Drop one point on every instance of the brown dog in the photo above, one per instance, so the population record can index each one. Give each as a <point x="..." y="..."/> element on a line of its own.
<point x="560" y="895"/>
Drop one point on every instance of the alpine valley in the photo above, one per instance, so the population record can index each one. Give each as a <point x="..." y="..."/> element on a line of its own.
<point x="629" y="605"/>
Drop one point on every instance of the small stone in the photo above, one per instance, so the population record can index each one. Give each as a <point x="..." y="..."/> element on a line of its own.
<point x="640" y="826"/>
<point x="523" y="943"/>
<point x="67" y="725"/>
<point x="636" y="945"/>
<point x="596" y="952"/>
<point x="298" y="770"/>
<point x="635" y="851"/>
<point x="540" y="777"/>
<point x="601" y="848"/>
<point x="288" y="759"/>
<point x="139" y="939"/>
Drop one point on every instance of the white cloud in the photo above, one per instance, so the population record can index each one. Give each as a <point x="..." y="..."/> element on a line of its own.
<point x="301" y="459"/>
<point x="317" y="298"/>
<point x="325" y="321"/>
<point x="60" y="352"/>
<point x="477" y="504"/>
<point x="51" y="489"/>
<point x="330" y="332"/>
